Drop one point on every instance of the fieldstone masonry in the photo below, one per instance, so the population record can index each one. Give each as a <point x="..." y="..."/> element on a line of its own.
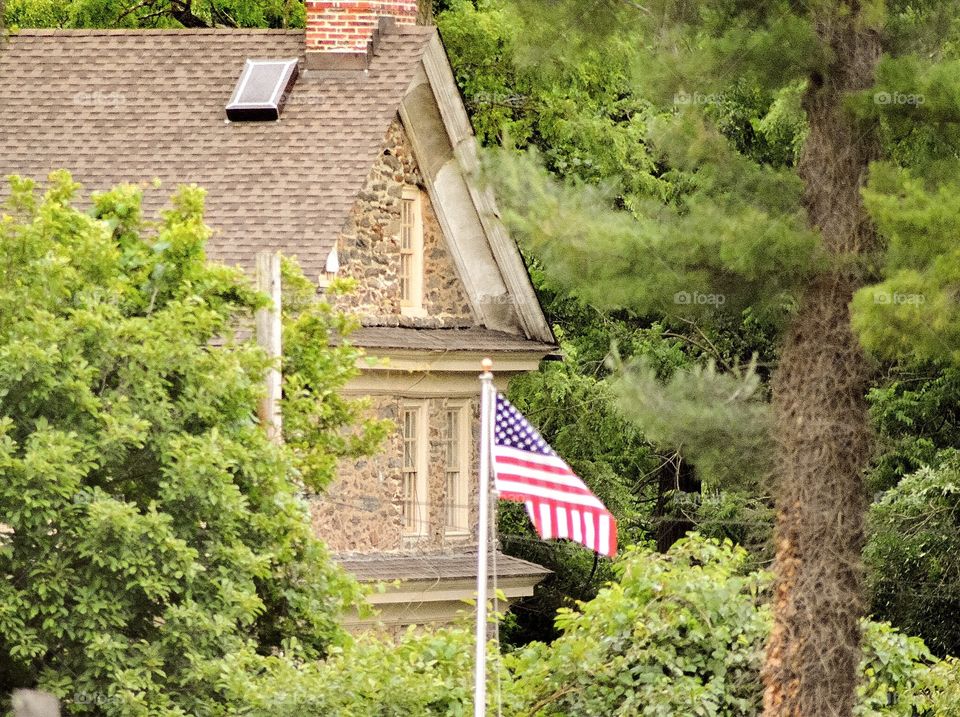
<point x="360" y="511"/>
<point x="369" y="249"/>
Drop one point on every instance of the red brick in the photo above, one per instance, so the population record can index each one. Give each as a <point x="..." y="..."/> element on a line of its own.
<point x="338" y="25"/>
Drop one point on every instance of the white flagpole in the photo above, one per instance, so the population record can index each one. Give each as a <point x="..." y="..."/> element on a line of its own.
<point x="486" y="424"/>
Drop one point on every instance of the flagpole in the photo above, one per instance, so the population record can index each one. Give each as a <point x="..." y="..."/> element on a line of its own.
<point x="480" y="660"/>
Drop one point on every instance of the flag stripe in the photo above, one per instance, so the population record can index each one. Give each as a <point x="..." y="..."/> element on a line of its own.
<point x="546" y="524"/>
<point x="604" y="529"/>
<point x="561" y="518"/>
<point x="510" y="474"/>
<point x="540" y="466"/>
<point x="570" y="482"/>
<point x="550" y="459"/>
<point x="524" y="488"/>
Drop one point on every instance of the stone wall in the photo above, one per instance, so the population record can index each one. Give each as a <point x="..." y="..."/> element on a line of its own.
<point x="360" y="512"/>
<point x="369" y="248"/>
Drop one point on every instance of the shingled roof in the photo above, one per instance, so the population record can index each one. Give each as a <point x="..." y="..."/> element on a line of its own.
<point x="118" y="106"/>
<point x="469" y="339"/>
<point x="374" y="568"/>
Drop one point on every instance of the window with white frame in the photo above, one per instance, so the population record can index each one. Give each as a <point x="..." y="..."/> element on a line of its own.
<point x="411" y="252"/>
<point x="455" y="439"/>
<point x="413" y="426"/>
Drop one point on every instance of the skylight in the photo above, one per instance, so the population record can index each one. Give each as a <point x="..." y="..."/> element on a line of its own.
<point x="261" y="90"/>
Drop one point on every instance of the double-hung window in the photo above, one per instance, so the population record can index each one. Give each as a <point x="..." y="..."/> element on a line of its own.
<point x="411" y="252"/>
<point x="455" y="438"/>
<point x="414" y="495"/>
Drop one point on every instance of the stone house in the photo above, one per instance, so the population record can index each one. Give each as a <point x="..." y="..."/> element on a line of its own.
<point x="349" y="148"/>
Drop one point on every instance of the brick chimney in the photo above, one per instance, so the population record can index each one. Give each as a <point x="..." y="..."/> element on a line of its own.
<point x="342" y="34"/>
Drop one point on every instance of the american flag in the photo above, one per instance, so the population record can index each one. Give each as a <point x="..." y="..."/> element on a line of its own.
<point x="528" y="470"/>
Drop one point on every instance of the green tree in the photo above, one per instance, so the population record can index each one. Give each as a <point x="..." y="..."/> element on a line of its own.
<point x="914" y="554"/>
<point x="680" y="633"/>
<point x="794" y="237"/>
<point x="153" y="13"/>
<point x="916" y="415"/>
<point x="585" y="115"/>
<point x="152" y="536"/>
<point x="683" y="633"/>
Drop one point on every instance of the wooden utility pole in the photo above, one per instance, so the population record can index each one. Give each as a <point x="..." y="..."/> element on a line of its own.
<point x="269" y="337"/>
<point x="32" y="703"/>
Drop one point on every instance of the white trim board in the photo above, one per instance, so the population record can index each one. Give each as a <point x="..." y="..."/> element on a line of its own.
<point x="487" y="259"/>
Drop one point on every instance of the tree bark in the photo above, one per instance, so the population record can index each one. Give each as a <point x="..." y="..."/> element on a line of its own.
<point x="819" y="388"/>
<point x="678" y="475"/>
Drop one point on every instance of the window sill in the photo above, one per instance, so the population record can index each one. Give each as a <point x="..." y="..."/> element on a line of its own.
<point x="415" y="311"/>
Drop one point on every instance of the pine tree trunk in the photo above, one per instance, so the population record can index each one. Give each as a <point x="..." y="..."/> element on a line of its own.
<point x="819" y="389"/>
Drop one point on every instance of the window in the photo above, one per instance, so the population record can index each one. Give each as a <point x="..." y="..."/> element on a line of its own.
<point x="414" y="478"/>
<point x="411" y="253"/>
<point x="456" y="448"/>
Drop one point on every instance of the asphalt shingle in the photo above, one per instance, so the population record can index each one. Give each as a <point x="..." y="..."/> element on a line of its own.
<point x="129" y="106"/>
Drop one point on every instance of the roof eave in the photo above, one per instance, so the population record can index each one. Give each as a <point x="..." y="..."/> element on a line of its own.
<point x="460" y="135"/>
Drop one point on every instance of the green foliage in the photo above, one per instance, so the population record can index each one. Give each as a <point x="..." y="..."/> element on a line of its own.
<point x="320" y="426"/>
<point x="582" y="114"/>
<point x="720" y="421"/>
<point x="914" y="554"/>
<point x="683" y="633"/>
<point x="154" y="13"/>
<point x="901" y="677"/>
<point x="678" y="634"/>
<point x="422" y="673"/>
<point x="742" y="516"/>
<point x="151" y="533"/>
<point x="914" y="312"/>
<point x="717" y="254"/>
<point x="916" y="414"/>
<point x="674" y="634"/>
<point x="688" y="47"/>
